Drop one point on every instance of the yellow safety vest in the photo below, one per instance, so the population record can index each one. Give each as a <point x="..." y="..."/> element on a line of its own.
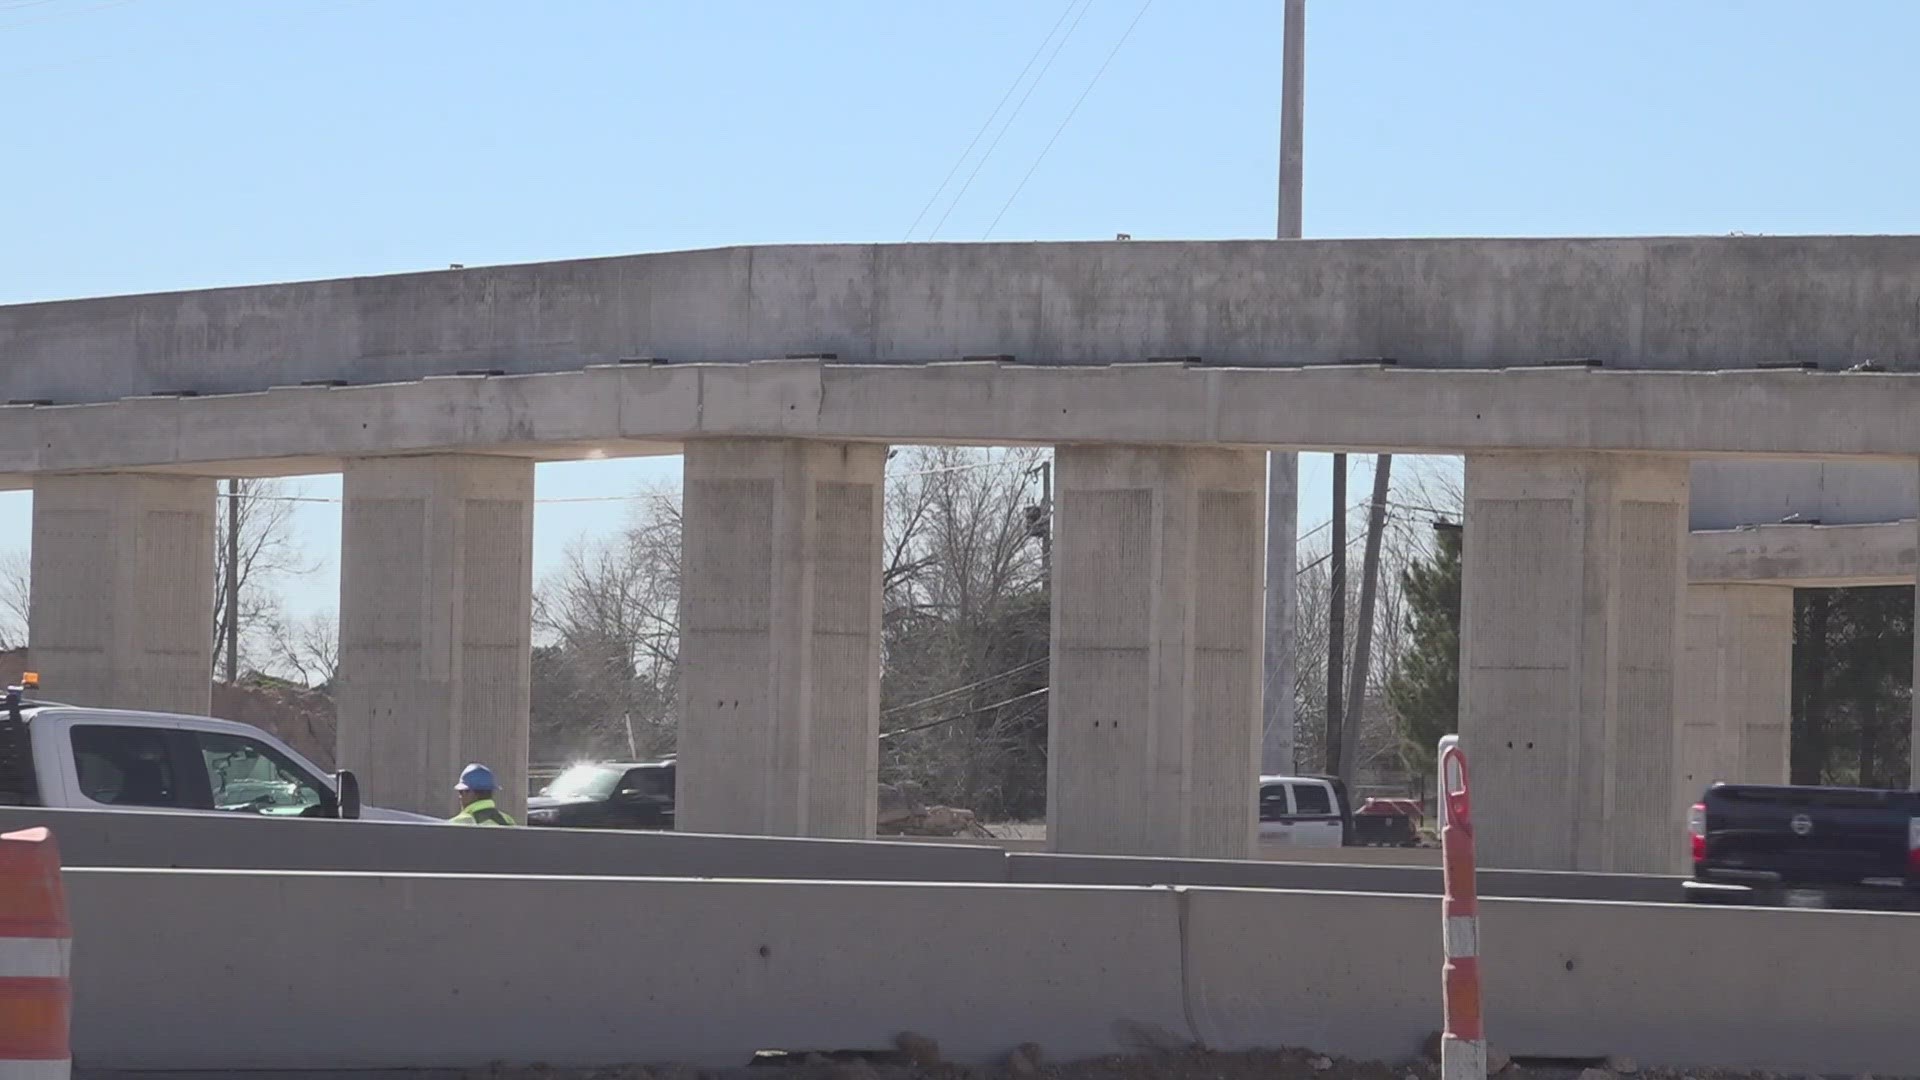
<point x="482" y="812"/>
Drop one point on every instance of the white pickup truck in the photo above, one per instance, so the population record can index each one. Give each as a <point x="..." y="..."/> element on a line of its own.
<point x="68" y="757"/>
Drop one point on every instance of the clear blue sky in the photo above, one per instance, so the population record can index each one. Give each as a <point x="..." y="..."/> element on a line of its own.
<point x="168" y="144"/>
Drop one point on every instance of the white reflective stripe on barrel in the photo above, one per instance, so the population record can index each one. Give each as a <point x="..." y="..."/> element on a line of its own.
<point x="16" y="1069"/>
<point x="1463" y="936"/>
<point x="1464" y="1060"/>
<point x="34" y="958"/>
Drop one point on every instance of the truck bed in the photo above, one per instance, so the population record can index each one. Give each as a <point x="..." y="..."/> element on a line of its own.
<point x="1814" y="838"/>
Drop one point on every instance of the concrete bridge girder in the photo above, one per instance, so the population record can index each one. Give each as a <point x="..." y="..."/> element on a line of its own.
<point x="513" y="421"/>
<point x="473" y="373"/>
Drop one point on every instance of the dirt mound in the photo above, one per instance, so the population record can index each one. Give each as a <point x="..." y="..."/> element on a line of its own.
<point x="303" y="719"/>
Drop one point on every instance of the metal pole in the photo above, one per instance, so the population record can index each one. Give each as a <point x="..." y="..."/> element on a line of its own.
<point x="1336" y="618"/>
<point x="1293" y="92"/>
<point x="232" y="601"/>
<point x="1277" y="753"/>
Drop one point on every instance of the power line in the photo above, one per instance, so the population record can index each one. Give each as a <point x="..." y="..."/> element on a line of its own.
<point x="1004" y="98"/>
<point x="945" y="694"/>
<point x="1069" y="118"/>
<point x="1015" y="700"/>
<point x="1011" y="117"/>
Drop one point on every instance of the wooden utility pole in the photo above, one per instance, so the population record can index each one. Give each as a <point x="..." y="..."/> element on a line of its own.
<point x="1363" y="634"/>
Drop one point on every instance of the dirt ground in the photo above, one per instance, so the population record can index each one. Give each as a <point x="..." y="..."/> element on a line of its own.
<point x="921" y="1062"/>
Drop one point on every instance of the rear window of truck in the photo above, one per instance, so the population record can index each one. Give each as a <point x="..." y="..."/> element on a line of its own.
<point x="18" y="784"/>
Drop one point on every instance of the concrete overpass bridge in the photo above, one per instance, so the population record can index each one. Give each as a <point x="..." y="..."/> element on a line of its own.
<point x="1584" y="380"/>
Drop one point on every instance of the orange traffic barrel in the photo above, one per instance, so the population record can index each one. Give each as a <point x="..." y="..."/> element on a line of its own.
<point x="36" y="942"/>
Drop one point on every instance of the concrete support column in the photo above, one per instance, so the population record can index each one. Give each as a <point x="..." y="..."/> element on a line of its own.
<point x="780" y="637"/>
<point x="1572" y="601"/>
<point x="1736" y="694"/>
<point x="122" y="592"/>
<point x="1155" y="707"/>
<point x="436" y="586"/>
<point x="1277" y="751"/>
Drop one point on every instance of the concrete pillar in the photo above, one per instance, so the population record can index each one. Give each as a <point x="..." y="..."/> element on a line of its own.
<point x="1736" y="692"/>
<point x="1277" y="752"/>
<point x="436" y="585"/>
<point x="1155" y="707"/>
<point x="780" y="637"/>
<point x="1572" y="601"/>
<point x="122" y="592"/>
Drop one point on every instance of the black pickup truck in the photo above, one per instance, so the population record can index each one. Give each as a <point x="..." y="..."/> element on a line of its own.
<point x="1772" y="845"/>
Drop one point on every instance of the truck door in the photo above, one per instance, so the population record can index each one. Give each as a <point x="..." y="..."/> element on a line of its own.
<point x="1316" y="820"/>
<point x="1276" y="814"/>
<point x="136" y="767"/>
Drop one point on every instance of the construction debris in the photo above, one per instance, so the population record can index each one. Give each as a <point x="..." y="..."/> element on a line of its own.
<point x="903" y="812"/>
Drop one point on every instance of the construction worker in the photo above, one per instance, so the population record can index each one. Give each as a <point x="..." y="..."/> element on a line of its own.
<point x="476" y="788"/>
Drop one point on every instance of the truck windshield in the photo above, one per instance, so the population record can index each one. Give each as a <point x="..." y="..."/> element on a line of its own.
<point x="584" y="782"/>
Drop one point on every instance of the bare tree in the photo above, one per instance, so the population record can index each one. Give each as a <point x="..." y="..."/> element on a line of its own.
<point x="964" y="673"/>
<point x="610" y="648"/>
<point x="309" y="648"/>
<point x="266" y="552"/>
<point x="16" y="571"/>
<point x="1424" y="489"/>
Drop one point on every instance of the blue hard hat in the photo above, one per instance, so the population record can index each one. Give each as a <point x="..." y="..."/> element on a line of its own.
<point x="475" y="778"/>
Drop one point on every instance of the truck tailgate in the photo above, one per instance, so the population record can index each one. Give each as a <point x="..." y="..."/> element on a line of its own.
<point x="1810" y="835"/>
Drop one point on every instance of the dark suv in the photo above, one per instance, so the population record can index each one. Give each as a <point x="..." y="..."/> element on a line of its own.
<point x="607" y="795"/>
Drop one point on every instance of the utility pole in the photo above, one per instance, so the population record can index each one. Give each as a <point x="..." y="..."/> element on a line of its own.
<point x="1363" y="634"/>
<point x="1336" y="618"/>
<point x="1293" y="111"/>
<point x="232" y="591"/>
<point x="1046" y="517"/>
<point x="1039" y="519"/>
<point x="1277" y="753"/>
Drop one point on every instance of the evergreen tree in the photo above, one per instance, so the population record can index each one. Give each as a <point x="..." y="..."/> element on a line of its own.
<point x="1424" y="691"/>
<point x="1852" y="685"/>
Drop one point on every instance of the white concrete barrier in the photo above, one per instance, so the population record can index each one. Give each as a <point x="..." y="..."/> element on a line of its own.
<point x="247" y="842"/>
<point x="220" y="842"/>
<point x="201" y="970"/>
<point x="1784" y="991"/>
<point x="205" y="970"/>
<point x="1773" y="990"/>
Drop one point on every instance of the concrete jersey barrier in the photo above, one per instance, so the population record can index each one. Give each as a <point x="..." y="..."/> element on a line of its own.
<point x="271" y="970"/>
<point x="245" y="842"/>
<point x="1035" y="869"/>
<point x="456" y="971"/>
<point x="220" y="842"/>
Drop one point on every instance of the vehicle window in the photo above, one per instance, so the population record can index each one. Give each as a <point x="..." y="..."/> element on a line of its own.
<point x="652" y="783"/>
<point x="125" y="766"/>
<point x="584" y="782"/>
<point x="1273" y="803"/>
<point x="249" y="775"/>
<point x="1312" y="800"/>
<point x="19" y="785"/>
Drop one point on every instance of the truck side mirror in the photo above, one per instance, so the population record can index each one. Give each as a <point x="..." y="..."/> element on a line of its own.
<point x="348" y="787"/>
